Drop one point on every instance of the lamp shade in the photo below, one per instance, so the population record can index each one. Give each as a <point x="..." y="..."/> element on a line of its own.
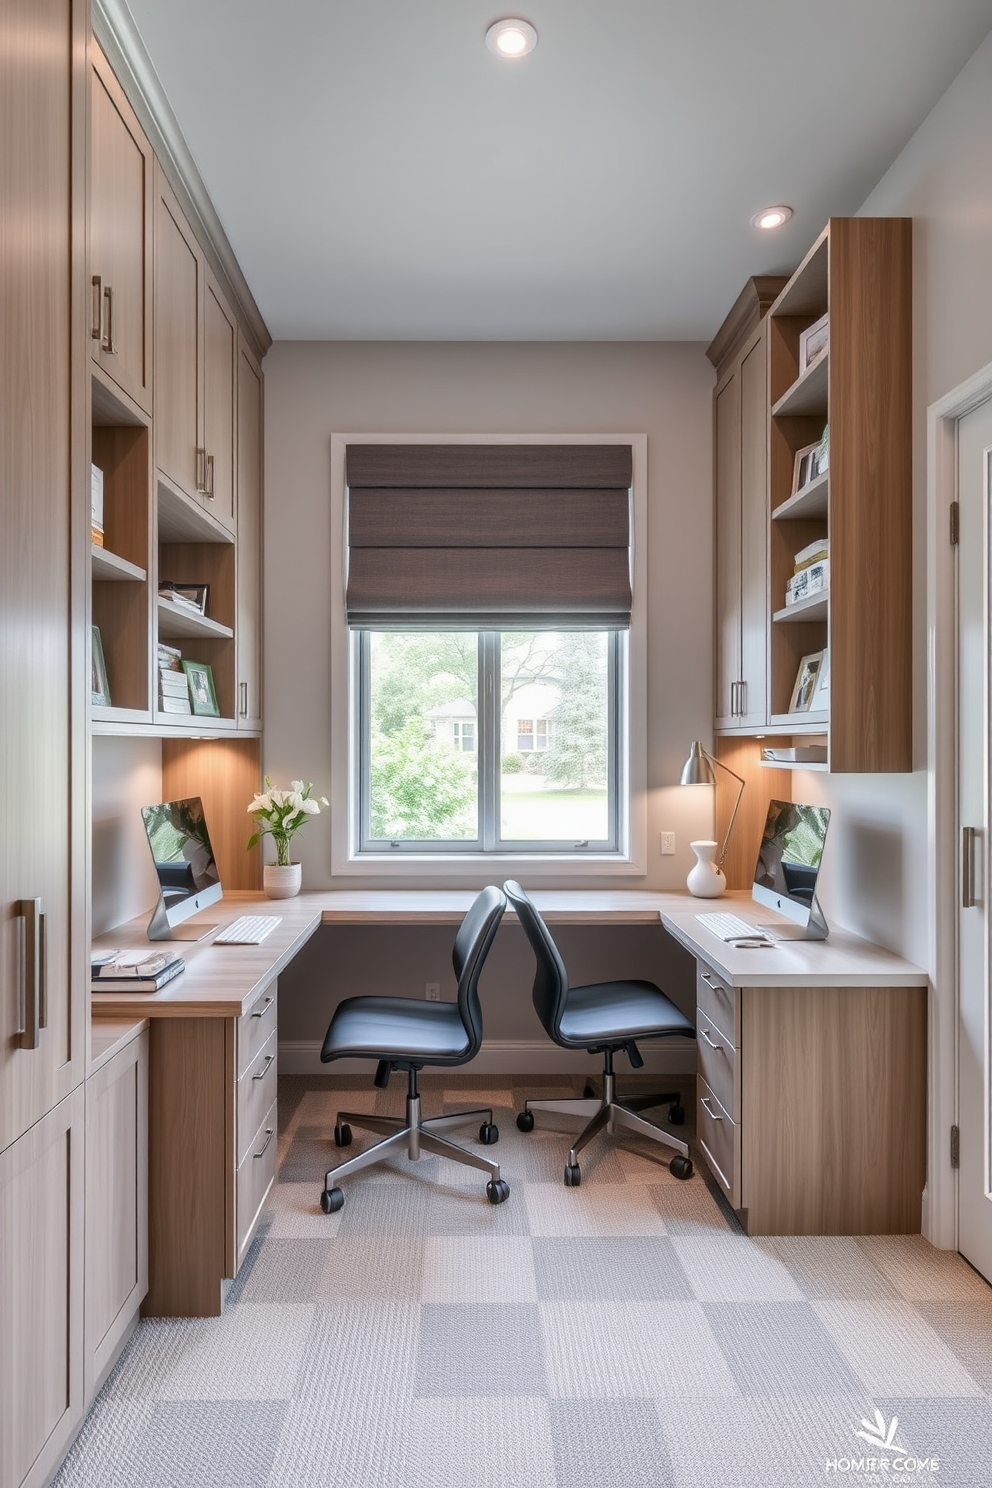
<point x="697" y="769"/>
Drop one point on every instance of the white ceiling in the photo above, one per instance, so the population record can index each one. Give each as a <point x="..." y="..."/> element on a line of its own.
<point x="381" y="175"/>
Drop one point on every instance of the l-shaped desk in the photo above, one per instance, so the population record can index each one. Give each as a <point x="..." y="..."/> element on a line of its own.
<point x="811" y="1074"/>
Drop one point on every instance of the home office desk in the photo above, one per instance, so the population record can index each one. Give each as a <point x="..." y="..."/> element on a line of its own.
<point x="811" y="1082"/>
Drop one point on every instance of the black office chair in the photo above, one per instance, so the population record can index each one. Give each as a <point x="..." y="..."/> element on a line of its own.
<point x="405" y="1034"/>
<point x="604" y="1018"/>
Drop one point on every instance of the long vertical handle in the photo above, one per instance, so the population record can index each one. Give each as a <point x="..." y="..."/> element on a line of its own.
<point x="741" y="699"/>
<point x="210" y="477"/>
<point x="201" y="468"/>
<point x="968" y="836"/>
<point x="243" y="688"/>
<point x="29" y="912"/>
<point x="96" y="325"/>
<point x="110" y="345"/>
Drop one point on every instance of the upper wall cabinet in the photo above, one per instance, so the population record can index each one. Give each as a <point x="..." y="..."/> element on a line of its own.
<point x="249" y="557"/>
<point x="840" y="452"/>
<point x="120" y="229"/>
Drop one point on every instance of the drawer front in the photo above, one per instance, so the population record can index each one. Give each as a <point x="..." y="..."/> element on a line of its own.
<point x="256" y="1092"/>
<point x="717" y="1063"/>
<point x="719" y="1137"/>
<point x="255" y="1027"/>
<point x="255" y="1177"/>
<point x="719" y="1001"/>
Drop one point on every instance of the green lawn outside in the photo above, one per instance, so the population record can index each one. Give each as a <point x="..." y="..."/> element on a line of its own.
<point x="531" y="812"/>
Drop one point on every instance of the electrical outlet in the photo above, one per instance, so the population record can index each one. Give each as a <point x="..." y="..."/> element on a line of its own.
<point x="432" y="991"/>
<point x="668" y="844"/>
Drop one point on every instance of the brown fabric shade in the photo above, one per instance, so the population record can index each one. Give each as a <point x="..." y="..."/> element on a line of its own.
<point x="489" y="535"/>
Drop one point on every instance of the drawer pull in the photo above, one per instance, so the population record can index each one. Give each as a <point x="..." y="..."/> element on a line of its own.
<point x="264" y="1010"/>
<point x="268" y="1139"/>
<point x="260" y="1074"/>
<point x="705" y="1033"/>
<point x="704" y="1101"/>
<point x="716" y="986"/>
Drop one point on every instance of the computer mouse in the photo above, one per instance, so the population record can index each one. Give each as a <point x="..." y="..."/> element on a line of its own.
<point x="749" y="945"/>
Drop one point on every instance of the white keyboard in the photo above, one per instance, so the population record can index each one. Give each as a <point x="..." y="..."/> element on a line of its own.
<point x="248" y="929"/>
<point x="729" y="927"/>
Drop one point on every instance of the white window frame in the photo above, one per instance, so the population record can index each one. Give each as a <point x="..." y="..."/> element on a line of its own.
<point x="467" y="868"/>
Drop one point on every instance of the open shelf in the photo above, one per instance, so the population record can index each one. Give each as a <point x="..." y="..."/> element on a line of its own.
<point x="808" y="394"/>
<point x="175" y="623"/>
<point x="110" y="568"/>
<point x="810" y="502"/>
<point x="815" y="607"/>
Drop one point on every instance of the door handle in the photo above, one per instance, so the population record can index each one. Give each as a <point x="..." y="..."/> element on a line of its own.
<point x="31" y="973"/>
<point x="741" y="699"/>
<point x="96" y="325"/>
<point x="243" y="689"/>
<point x="201" y="468"/>
<point x="110" y="345"/>
<point x="968" y="892"/>
<point x="210" y="478"/>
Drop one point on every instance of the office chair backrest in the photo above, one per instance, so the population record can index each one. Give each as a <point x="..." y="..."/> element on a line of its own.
<point x="550" y="978"/>
<point x="475" y="935"/>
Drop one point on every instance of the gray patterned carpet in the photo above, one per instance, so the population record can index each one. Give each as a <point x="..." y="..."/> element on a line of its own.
<point x="623" y="1334"/>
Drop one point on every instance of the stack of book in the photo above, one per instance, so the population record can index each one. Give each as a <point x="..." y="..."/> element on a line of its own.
<point x="96" y="505"/>
<point x="173" y="689"/>
<point x="134" y="971"/>
<point x="811" y="573"/>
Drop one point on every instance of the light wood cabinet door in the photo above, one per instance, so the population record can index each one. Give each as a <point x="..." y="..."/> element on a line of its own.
<point x="249" y="556"/>
<point x="727" y="537"/>
<point x="753" y="694"/>
<point x="220" y="359"/>
<point x="120" y="226"/>
<point x="40" y="1024"/>
<point x="179" y="453"/>
<point x="41" y="1295"/>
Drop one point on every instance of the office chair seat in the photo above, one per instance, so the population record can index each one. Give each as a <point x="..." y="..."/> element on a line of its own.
<point x="403" y="1033"/>
<point x="604" y="1018"/>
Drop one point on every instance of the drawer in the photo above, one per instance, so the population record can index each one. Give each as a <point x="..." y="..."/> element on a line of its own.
<point x="719" y="1001"/>
<point x="255" y="1027"/>
<point x="717" y="1063"/>
<point x="719" y="1137"/>
<point x="255" y="1177"/>
<point x="256" y="1093"/>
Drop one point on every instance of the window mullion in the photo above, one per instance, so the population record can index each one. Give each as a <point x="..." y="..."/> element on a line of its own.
<point x="489" y="741"/>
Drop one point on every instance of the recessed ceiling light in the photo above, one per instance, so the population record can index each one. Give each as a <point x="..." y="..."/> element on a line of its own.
<point x="770" y="217"/>
<point x="511" y="38"/>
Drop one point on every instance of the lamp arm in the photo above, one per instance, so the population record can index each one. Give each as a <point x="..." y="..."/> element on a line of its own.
<point x="733" y="814"/>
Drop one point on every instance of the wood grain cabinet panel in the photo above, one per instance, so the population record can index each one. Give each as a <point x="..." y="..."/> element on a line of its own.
<point x="179" y="453"/>
<point x="220" y="365"/>
<point x="249" y="556"/>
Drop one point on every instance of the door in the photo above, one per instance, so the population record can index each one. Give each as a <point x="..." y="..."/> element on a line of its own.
<point x="752" y="701"/>
<point x="975" y="1178"/>
<point x="248" y="641"/>
<point x="727" y="531"/>
<point x="220" y="345"/>
<point x="178" y="351"/>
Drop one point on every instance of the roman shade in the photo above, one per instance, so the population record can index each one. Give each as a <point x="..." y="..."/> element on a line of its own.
<point x="502" y="536"/>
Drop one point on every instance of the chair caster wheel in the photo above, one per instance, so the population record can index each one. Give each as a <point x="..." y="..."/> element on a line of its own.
<point x="488" y="1134"/>
<point x="497" y="1190"/>
<point x="525" y="1121"/>
<point x="676" y="1115"/>
<point x="681" y="1167"/>
<point x="573" y="1176"/>
<point x="342" y="1134"/>
<point x="331" y="1200"/>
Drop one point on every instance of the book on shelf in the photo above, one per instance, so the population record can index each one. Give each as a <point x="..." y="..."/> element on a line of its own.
<point x="170" y="658"/>
<point x="128" y="973"/>
<point x="172" y="704"/>
<point x="173" y="684"/>
<point x="799" y="754"/>
<point x="814" y="552"/>
<point x="813" y="579"/>
<point x="96" y="505"/>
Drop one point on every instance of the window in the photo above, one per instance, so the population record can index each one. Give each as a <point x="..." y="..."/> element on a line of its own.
<point x="489" y="741"/>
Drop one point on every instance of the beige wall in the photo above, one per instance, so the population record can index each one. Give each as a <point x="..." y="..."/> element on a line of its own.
<point x="127" y="774"/>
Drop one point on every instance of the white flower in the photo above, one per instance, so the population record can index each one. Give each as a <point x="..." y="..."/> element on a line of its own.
<point x="297" y="787"/>
<point x="310" y="808"/>
<point x="261" y="803"/>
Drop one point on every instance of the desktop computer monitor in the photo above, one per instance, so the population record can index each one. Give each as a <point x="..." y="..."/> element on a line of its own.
<point x="789" y="862"/>
<point x="188" y="880"/>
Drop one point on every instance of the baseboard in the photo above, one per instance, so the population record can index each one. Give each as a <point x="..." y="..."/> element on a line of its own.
<point x="675" y="1056"/>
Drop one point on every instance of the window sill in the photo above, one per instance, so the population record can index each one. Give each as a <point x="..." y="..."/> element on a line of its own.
<point x="488" y="865"/>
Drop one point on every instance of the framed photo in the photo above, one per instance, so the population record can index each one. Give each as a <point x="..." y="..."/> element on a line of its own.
<point x="813" y="342"/>
<point x="806" y="467"/>
<point x="202" y="696"/>
<point x="806" y="680"/>
<point x="820" y="701"/>
<point x="189" y="596"/>
<point x="99" y="686"/>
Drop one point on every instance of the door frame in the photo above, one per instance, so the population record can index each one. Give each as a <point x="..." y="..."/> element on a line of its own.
<point x="940" y="1209"/>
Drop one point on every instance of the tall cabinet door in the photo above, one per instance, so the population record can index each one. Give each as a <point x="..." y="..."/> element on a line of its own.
<point x="41" y="1055"/>
<point x="752" y="696"/>
<point x="727" y="535"/>
<point x="220" y="356"/>
<point x="179" y="453"/>
<point x="249" y="558"/>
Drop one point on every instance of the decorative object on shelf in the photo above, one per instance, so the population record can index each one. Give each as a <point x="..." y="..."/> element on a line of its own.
<point x="815" y="552"/>
<point x="805" y="468"/>
<point x="706" y="879"/>
<point x="823" y="451"/>
<point x="280" y="814"/>
<point x="806" y="678"/>
<point x="173" y="688"/>
<point x="96" y="505"/>
<point x="189" y="596"/>
<point x="811" y="579"/>
<point x="813" y="343"/>
<point x="820" y="700"/>
<point x="796" y="754"/>
<point x="202" y="695"/>
<point x="100" y="687"/>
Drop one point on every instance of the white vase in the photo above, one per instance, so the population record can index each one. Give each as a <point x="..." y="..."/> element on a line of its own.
<point x="282" y="882"/>
<point x="705" y="879"/>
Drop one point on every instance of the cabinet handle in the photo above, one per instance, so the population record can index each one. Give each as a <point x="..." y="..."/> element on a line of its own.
<point x="210" y="478"/>
<point x="243" y="689"/>
<point x="201" y="464"/>
<point x="704" y="1101"/>
<point x="705" y="1033"/>
<point x="741" y="699"/>
<point x="260" y="1074"/>
<point x="268" y="1139"/>
<point x="96" y="326"/>
<point x="43" y="970"/>
<point x="31" y="962"/>
<point x="717" y="986"/>
<point x="968" y="894"/>
<point x="264" y="1010"/>
<point x="735" y="706"/>
<point x="110" y="345"/>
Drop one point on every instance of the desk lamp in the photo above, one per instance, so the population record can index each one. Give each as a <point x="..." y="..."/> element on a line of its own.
<point x="706" y="879"/>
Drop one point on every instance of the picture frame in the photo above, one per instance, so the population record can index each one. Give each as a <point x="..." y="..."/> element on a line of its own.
<point x="202" y="693"/>
<point x="99" y="686"/>
<point x="820" y="701"/>
<point x="190" y="596"/>
<point x="806" y="467"/>
<point x="813" y="342"/>
<point x="806" y="679"/>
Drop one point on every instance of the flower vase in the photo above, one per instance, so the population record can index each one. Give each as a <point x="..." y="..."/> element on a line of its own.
<point x="706" y="880"/>
<point x="281" y="882"/>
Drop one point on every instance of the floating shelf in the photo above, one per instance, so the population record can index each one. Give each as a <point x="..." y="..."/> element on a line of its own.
<point x="813" y="608"/>
<point x="107" y="566"/>
<point x="800" y="723"/>
<point x="174" y="623"/>
<point x="808" y="394"/>
<point x="811" y="501"/>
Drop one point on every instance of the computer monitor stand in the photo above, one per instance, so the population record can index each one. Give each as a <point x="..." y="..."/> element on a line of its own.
<point x="160" y="929"/>
<point x="816" y="926"/>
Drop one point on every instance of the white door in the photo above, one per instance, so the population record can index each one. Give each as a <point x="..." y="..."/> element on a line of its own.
<point x="974" y="616"/>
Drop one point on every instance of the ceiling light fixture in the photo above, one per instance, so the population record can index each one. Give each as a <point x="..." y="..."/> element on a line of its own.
<point x="770" y="217"/>
<point x="511" y="38"/>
